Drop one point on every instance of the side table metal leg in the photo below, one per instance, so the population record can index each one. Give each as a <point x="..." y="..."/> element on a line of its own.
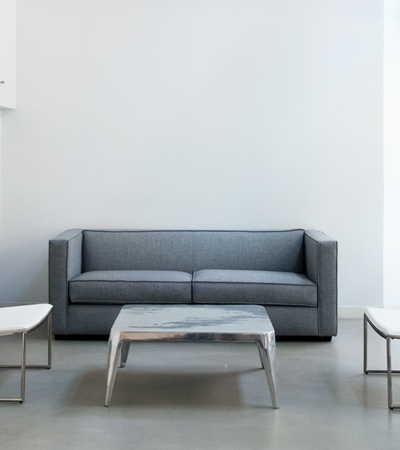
<point x="114" y="349"/>
<point x="267" y="349"/>
<point x="49" y="337"/>
<point x="23" y="367"/>
<point x="365" y="345"/>
<point x="389" y="373"/>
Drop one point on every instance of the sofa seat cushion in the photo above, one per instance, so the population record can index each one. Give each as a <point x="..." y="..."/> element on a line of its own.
<point x="253" y="286"/>
<point x="131" y="286"/>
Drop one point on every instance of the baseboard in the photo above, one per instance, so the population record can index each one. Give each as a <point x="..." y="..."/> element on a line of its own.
<point x="350" y="312"/>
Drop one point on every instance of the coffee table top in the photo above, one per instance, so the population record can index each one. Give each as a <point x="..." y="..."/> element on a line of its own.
<point x="165" y="321"/>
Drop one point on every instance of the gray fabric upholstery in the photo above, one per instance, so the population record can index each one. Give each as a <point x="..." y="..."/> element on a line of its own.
<point x="294" y="320"/>
<point x="293" y="273"/>
<point x="137" y="250"/>
<point x="193" y="250"/>
<point x="253" y="287"/>
<point x="131" y="286"/>
<point x="65" y="262"/>
<point x="322" y="255"/>
<point x="249" y="250"/>
<point x="92" y="319"/>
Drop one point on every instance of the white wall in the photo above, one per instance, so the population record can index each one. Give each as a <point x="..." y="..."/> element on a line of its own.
<point x="245" y="114"/>
<point x="391" y="152"/>
<point x="0" y="175"/>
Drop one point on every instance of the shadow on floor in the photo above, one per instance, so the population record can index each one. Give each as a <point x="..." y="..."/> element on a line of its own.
<point x="149" y="388"/>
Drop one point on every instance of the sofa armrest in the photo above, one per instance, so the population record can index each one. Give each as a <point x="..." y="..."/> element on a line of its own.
<point x="65" y="263"/>
<point x="321" y="254"/>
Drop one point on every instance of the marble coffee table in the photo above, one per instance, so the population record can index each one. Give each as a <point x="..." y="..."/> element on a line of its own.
<point x="195" y="323"/>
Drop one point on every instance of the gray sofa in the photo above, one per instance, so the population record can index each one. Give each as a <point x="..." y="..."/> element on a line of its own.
<point x="293" y="273"/>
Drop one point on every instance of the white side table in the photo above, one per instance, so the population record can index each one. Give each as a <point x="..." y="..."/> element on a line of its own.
<point x="386" y="322"/>
<point x="22" y="320"/>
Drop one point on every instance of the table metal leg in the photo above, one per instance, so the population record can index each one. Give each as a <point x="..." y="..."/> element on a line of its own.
<point x="114" y="354"/>
<point x="267" y="350"/>
<point x="124" y="352"/>
<point x="260" y="352"/>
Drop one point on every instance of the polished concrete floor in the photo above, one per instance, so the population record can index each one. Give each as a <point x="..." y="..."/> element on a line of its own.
<point x="201" y="396"/>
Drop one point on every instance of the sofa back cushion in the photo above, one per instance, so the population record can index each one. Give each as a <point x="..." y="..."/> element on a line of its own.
<point x="188" y="251"/>
<point x="136" y="250"/>
<point x="281" y="251"/>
